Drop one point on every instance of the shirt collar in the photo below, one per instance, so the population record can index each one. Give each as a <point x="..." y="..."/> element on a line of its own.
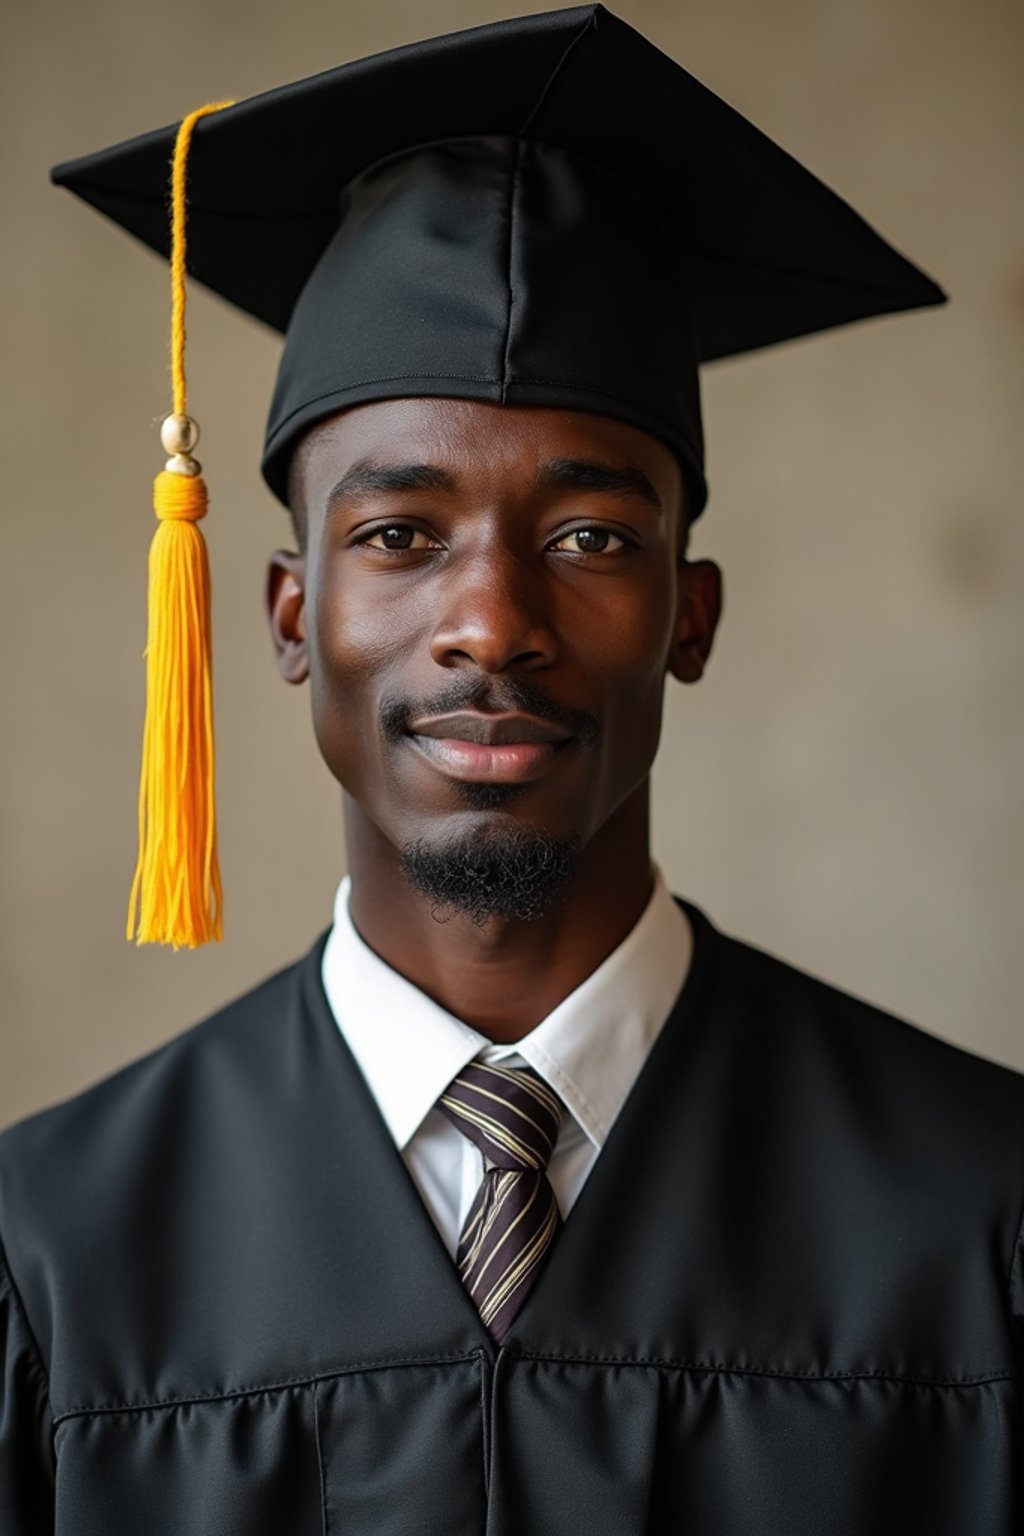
<point x="589" y="1049"/>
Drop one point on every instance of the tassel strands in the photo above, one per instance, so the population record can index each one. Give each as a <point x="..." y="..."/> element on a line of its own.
<point x="177" y="891"/>
<point x="176" y="895"/>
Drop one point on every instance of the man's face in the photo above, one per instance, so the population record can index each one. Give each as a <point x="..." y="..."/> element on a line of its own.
<point x="468" y="557"/>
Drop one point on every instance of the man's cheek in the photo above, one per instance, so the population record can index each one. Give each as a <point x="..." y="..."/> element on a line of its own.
<point x="356" y="639"/>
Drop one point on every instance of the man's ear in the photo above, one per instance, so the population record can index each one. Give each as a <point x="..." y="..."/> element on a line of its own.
<point x="286" y="611"/>
<point x="697" y="616"/>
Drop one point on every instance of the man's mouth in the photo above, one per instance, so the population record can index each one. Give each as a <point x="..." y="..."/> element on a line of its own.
<point x="488" y="730"/>
<point x="510" y="748"/>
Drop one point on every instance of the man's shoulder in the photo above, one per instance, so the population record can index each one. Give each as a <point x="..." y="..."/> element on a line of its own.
<point x="116" y="1110"/>
<point x="835" y="1035"/>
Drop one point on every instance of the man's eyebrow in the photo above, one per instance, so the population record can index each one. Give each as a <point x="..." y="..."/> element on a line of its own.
<point x="366" y="479"/>
<point x="593" y="475"/>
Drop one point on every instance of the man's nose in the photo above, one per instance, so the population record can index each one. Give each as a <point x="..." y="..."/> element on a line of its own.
<point x="494" y="612"/>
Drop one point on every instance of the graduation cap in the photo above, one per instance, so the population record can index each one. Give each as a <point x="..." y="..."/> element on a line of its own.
<point x="543" y="211"/>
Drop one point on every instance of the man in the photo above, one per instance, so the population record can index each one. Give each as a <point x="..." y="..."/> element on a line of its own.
<point x="528" y="1201"/>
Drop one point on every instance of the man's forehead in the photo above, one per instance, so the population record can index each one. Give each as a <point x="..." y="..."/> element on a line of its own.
<point x="470" y="440"/>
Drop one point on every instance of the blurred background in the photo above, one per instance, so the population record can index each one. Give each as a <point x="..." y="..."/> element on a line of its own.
<point x="845" y="786"/>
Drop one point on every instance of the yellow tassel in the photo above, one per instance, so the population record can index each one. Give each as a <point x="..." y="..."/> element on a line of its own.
<point x="176" y="895"/>
<point x="177" y="888"/>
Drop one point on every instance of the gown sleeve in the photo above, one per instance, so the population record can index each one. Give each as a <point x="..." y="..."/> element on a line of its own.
<point x="26" y="1444"/>
<point x="1017" y="1324"/>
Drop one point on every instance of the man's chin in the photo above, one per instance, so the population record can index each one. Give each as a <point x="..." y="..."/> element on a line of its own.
<point x="512" y="872"/>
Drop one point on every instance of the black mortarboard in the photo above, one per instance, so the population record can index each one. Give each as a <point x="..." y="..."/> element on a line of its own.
<point x="543" y="211"/>
<point x="546" y="211"/>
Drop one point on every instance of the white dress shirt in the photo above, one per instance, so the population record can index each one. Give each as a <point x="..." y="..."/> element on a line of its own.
<point x="589" y="1049"/>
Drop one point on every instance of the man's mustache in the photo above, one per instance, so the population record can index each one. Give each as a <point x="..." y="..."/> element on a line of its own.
<point x="489" y="696"/>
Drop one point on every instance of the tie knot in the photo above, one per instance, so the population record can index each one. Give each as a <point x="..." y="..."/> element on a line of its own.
<point x="510" y="1113"/>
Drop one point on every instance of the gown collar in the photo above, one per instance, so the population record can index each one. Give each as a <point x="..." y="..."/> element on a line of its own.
<point x="589" y="1049"/>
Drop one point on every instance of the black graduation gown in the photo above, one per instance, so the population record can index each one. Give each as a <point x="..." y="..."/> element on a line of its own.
<point x="788" y="1300"/>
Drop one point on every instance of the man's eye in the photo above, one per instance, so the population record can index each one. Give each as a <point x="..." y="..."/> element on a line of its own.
<point x="593" y="541"/>
<point x="397" y="538"/>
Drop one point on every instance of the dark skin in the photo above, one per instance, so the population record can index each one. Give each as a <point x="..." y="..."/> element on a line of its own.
<point x="490" y="590"/>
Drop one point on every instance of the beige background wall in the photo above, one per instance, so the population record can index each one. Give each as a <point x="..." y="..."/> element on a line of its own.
<point x="845" y="786"/>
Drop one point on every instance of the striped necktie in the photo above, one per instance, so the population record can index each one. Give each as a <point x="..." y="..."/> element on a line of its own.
<point x="512" y="1115"/>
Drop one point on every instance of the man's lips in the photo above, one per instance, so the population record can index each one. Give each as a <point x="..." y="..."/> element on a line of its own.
<point x="488" y="730"/>
<point x="528" y="751"/>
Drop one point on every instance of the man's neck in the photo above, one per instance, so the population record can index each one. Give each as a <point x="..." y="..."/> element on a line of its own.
<point x="502" y="977"/>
